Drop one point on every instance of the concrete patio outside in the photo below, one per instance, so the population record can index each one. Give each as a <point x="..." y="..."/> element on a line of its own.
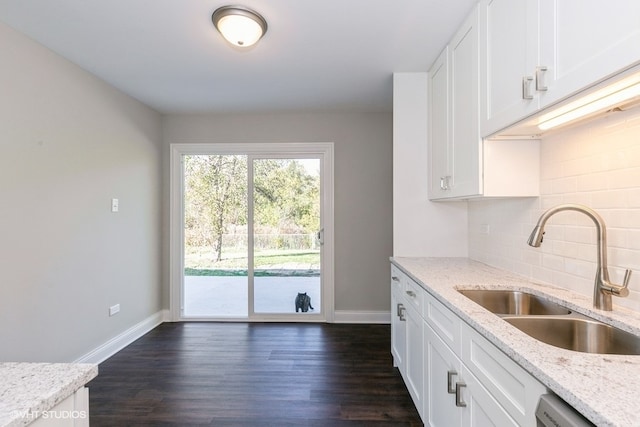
<point x="227" y="296"/>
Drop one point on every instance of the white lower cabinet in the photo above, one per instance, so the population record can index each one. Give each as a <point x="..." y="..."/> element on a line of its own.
<point x="453" y="395"/>
<point x="481" y="408"/>
<point x="454" y="375"/>
<point x="71" y="412"/>
<point x="406" y="334"/>
<point x="415" y="377"/>
<point x="442" y="369"/>
<point x="398" y="327"/>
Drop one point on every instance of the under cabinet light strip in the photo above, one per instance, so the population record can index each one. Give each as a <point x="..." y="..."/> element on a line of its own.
<point x="599" y="101"/>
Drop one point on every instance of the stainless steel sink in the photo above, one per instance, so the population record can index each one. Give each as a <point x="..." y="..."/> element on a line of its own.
<point x="578" y="333"/>
<point x="554" y="324"/>
<point x="505" y="302"/>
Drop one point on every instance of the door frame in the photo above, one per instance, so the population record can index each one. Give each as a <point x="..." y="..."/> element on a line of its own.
<point x="176" y="219"/>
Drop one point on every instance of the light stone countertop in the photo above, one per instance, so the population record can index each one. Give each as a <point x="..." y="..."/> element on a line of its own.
<point x="603" y="387"/>
<point x="27" y="389"/>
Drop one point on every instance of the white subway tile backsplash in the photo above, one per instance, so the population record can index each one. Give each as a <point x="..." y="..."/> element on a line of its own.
<point x="633" y="198"/>
<point x="564" y="185"/>
<point x="624" y="178"/>
<point x="596" y="164"/>
<point x="553" y="262"/>
<point x="580" y="234"/>
<point x="634" y="241"/>
<point x="579" y="268"/>
<point x="593" y="182"/>
<point x="617" y="237"/>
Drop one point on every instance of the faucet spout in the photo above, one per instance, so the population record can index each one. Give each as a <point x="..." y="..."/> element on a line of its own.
<point x="535" y="239"/>
<point x="603" y="288"/>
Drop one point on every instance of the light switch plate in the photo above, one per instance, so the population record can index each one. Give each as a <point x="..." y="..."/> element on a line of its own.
<point x="115" y="205"/>
<point x="114" y="309"/>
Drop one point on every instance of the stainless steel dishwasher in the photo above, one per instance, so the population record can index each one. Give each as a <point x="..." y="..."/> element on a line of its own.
<point x="555" y="412"/>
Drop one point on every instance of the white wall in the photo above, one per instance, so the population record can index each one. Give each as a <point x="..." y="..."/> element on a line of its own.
<point x="363" y="182"/>
<point x="596" y="164"/>
<point x="68" y="144"/>
<point x="420" y="227"/>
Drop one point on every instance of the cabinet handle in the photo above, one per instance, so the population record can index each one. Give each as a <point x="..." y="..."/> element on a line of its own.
<point x="526" y="87"/>
<point x="401" y="313"/>
<point x="411" y="294"/>
<point x="450" y="388"/>
<point x="459" y="402"/>
<point x="541" y="84"/>
<point x="395" y="279"/>
<point x="444" y="182"/>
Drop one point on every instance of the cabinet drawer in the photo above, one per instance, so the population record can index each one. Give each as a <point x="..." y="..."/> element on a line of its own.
<point x="396" y="279"/>
<point x="512" y="387"/>
<point x="443" y="321"/>
<point x="414" y="295"/>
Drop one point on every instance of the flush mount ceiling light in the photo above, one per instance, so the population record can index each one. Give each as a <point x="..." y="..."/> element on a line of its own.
<point x="238" y="25"/>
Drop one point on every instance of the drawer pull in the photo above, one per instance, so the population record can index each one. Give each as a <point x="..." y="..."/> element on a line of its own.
<point x="395" y="278"/>
<point x="459" y="402"/>
<point x="411" y="294"/>
<point x="541" y="84"/>
<point x="527" y="93"/>
<point x="450" y="375"/>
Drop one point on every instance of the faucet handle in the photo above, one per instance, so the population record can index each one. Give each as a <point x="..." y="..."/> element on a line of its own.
<point x="622" y="291"/>
<point x="627" y="276"/>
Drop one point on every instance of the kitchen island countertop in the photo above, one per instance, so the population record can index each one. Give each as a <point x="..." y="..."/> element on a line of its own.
<point x="27" y="390"/>
<point x="603" y="387"/>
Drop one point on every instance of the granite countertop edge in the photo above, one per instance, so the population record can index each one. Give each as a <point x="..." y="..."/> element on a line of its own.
<point x="600" y="386"/>
<point x="29" y="389"/>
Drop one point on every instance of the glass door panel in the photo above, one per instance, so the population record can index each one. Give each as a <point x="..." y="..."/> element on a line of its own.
<point x="215" y="282"/>
<point x="287" y="236"/>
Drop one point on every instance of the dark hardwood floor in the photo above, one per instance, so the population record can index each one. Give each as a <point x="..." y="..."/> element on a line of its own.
<point x="253" y="374"/>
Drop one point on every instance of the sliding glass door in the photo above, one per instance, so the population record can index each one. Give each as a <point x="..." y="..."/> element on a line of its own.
<point x="286" y="235"/>
<point x="252" y="233"/>
<point x="215" y="281"/>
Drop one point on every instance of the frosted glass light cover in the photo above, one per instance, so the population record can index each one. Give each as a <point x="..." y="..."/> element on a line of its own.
<point x="239" y="30"/>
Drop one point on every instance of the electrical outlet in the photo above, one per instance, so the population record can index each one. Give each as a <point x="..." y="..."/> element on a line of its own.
<point x="484" y="229"/>
<point x="114" y="309"/>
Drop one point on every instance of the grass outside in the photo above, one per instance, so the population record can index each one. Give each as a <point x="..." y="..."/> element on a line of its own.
<point x="201" y="262"/>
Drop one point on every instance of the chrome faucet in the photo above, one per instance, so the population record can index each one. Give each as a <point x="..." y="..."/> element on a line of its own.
<point x="603" y="288"/>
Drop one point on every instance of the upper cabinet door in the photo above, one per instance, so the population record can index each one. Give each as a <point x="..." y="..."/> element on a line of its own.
<point x="439" y="124"/>
<point x="508" y="59"/>
<point x="466" y="145"/>
<point x="585" y="41"/>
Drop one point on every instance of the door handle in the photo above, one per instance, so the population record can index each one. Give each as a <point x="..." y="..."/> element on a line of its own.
<point x="527" y="93"/>
<point x="541" y="84"/>
<point x="450" y="388"/>
<point x="459" y="402"/>
<point x="444" y="182"/>
<point x="401" y="313"/>
<point x="320" y="236"/>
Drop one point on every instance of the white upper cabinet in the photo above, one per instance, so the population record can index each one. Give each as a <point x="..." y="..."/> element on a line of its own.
<point x="585" y="41"/>
<point x="535" y="53"/>
<point x="454" y="138"/>
<point x="461" y="164"/>
<point x="439" y="126"/>
<point x="508" y="58"/>
<point x="466" y="145"/>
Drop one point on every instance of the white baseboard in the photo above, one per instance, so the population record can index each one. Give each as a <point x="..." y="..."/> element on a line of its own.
<point x="117" y="343"/>
<point x="344" y="316"/>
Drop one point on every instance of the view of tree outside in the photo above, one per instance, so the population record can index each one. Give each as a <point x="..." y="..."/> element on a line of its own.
<point x="286" y="214"/>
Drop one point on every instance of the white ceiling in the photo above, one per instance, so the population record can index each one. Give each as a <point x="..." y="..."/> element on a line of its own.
<point x="317" y="55"/>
